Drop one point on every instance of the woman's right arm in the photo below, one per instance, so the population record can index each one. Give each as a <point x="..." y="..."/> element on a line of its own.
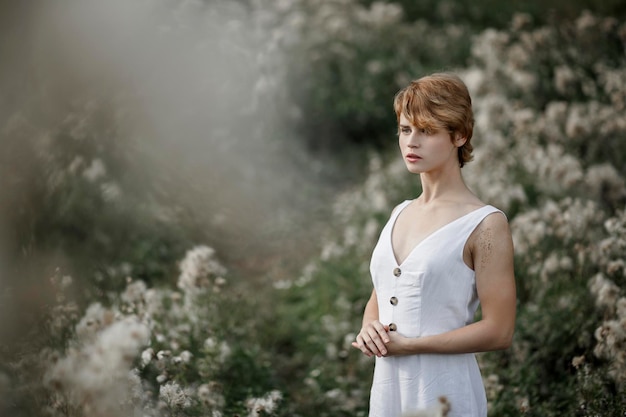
<point x="373" y="335"/>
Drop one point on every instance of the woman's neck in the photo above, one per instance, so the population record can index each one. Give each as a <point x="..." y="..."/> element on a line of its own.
<point x="447" y="185"/>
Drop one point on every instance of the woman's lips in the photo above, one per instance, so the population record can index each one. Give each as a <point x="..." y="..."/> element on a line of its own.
<point x="411" y="157"/>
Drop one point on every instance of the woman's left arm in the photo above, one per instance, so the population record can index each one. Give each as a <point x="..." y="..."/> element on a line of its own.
<point x="491" y="252"/>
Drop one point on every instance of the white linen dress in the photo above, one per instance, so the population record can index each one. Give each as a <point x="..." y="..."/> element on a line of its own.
<point x="431" y="292"/>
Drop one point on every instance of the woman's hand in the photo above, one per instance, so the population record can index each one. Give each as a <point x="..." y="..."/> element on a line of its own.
<point x="372" y="339"/>
<point x="399" y="345"/>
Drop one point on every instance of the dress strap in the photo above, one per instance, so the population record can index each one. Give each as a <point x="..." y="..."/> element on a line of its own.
<point x="398" y="209"/>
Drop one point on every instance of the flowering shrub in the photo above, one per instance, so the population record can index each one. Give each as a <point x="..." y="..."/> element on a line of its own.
<point x="151" y="351"/>
<point x="549" y="151"/>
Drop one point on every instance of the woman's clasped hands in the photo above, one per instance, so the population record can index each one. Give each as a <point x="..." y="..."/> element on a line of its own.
<point x="375" y="339"/>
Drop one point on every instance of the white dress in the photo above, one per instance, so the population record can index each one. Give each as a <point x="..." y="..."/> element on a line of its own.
<point x="431" y="292"/>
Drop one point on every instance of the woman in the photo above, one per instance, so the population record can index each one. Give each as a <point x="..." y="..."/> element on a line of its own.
<point x="438" y="257"/>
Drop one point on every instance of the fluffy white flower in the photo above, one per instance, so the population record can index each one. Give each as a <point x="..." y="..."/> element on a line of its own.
<point x="199" y="266"/>
<point x="174" y="396"/>
<point x="211" y="395"/>
<point x="94" y="373"/>
<point x="95" y="319"/>
<point x="134" y="292"/>
<point x="266" y="405"/>
<point x="146" y="356"/>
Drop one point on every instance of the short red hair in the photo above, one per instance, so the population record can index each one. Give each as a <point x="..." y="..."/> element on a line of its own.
<point x="439" y="101"/>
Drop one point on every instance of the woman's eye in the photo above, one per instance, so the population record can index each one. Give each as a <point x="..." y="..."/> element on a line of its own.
<point x="406" y="131"/>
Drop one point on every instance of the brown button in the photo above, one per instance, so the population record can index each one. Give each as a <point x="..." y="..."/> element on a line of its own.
<point x="397" y="272"/>
<point x="393" y="327"/>
<point x="393" y="301"/>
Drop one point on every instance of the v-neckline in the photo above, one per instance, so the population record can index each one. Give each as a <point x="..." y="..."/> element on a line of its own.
<point x="393" y="226"/>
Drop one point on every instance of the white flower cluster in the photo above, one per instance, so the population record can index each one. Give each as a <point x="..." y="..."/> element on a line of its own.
<point x="568" y="220"/>
<point x="94" y="374"/>
<point x="173" y="396"/>
<point x="265" y="405"/>
<point x="611" y="298"/>
<point x="200" y="270"/>
<point x="144" y="331"/>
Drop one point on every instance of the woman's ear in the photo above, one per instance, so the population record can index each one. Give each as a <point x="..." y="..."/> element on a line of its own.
<point x="459" y="140"/>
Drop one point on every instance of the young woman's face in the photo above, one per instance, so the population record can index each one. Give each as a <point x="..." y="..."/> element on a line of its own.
<point x="425" y="151"/>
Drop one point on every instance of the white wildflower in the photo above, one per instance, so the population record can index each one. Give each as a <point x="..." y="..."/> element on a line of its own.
<point x="198" y="268"/>
<point x="186" y="356"/>
<point x="615" y="266"/>
<point x="331" y="250"/>
<point x="307" y="274"/>
<point x="66" y="281"/>
<point x="577" y="124"/>
<point x="283" y="284"/>
<point x="94" y="320"/>
<point x="134" y="292"/>
<point x="163" y="355"/>
<point x="604" y="181"/>
<point x="94" y="374"/>
<point x="135" y="385"/>
<point x="333" y="394"/>
<point x="520" y="21"/>
<point x="266" y="405"/>
<point x="564" y="79"/>
<point x="146" y="356"/>
<point x="174" y="396"/>
<point x="550" y="266"/>
<point x="585" y="21"/>
<point x="221" y="350"/>
<point x="605" y="291"/>
<point x="210" y="343"/>
<point x="210" y="395"/>
<point x="492" y="386"/>
<point x="374" y="67"/>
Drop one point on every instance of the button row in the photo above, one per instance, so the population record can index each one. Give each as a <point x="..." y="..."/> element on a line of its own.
<point x="394" y="300"/>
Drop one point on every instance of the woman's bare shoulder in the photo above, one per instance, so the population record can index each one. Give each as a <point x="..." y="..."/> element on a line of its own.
<point x="494" y="227"/>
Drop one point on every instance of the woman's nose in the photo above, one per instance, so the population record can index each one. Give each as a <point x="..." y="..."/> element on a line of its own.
<point x="413" y="141"/>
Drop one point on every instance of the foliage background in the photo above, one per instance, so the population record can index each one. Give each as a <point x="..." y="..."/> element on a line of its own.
<point x="191" y="191"/>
